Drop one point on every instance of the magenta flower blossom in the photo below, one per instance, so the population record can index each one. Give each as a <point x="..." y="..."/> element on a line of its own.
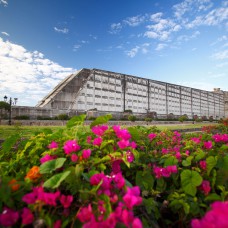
<point x="74" y="157"/>
<point x="58" y="224"/>
<point x="96" y="178"/>
<point x="121" y="133"/>
<point x="99" y="130"/>
<point x="133" y="145"/>
<point x="71" y="146"/>
<point x="8" y="217"/>
<point x="220" y="138"/>
<point x="123" y="144"/>
<point x="116" y="168"/>
<point x="119" y="180"/>
<point x="46" y="158"/>
<point x="208" y="145"/>
<point x="152" y="136"/>
<point x="205" y="187"/>
<point x="88" y="139"/>
<point x="97" y="141"/>
<point x="86" y="154"/>
<point x="137" y="223"/>
<point x="66" y="200"/>
<point x="196" y="140"/>
<point x="27" y="216"/>
<point x="132" y="197"/>
<point x="130" y="156"/>
<point x="53" y="145"/>
<point x="85" y="214"/>
<point x="216" y="217"/>
<point x="164" y="172"/>
<point x="203" y="165"/>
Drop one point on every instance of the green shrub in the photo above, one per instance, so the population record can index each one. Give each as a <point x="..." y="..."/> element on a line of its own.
<point x="132" y="118"/>
<point x="63" y="117"/>
<point x="23" y="117"/>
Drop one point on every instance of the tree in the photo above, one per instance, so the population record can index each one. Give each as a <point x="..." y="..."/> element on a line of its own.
<point x="3" y="106"/>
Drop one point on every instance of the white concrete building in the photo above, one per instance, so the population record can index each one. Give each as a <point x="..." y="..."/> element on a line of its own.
<point x="114" y="93"/>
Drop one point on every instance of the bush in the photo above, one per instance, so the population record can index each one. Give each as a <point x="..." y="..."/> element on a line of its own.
<point x="112" y="177"/>
<point x="148" y="119"/>
<point x="23" y="117"/>
<point x="132" y="118"/>
<point x="63" y="117"/>
<point x="182" y="118"/>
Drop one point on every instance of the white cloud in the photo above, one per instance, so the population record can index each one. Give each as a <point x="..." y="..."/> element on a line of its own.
<point x="135" y="21"/>
<point x="188" y="37"/>
<point x="222" y="64"/>
<point x="76" y="47"/>
<point x="160" y="47"/>
<point x="27" y="74"/>
<point x="115" y="28"/>
<point x="221" y="55"/>
<point x="188" y="6"/>
<point x="5" y="33"/>
<point x="4" y="2"/>
<point x="64" y="30"/>
<point x="132" y="53"/>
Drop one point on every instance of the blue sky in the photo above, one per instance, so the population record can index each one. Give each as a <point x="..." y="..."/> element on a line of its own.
<point x="177" y="41"/>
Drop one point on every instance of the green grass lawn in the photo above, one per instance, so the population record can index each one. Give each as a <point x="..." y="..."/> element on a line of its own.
<point x="26" y="131"/>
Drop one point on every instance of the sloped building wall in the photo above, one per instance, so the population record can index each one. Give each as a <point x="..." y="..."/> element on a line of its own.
<point x="114" y="92"/>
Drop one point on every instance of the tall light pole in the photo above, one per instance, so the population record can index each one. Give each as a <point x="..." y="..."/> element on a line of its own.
<point x="10" y="103"/>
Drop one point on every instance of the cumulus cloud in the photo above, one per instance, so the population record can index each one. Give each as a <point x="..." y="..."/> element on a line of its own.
<point x="221" y="55"/>
<point x="135" y="21"/>
<point x="5" y="33"/>
<point x="4" y="2"/>
<point x="160" y="47"/>
<point x="132" y="53"/>
<point x="115" y="28"/>
<point x="64" y="30"/>
<point x="27" y="75"/>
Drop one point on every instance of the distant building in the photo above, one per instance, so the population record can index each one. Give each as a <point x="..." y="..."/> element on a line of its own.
<point x="109" y="92"/>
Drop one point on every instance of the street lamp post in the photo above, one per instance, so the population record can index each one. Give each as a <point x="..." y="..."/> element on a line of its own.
<point x="10" y="103"/>
<point x="193" y="118"/>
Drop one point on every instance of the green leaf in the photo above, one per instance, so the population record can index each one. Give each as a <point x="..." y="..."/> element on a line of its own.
<point x="188" y="161"/>
<point x="189" y="181"/>
<point x="76" y="120"/>
<point x="211" y="163"/>
<point x="79" y="168"/>
<point x="101" y="120"/>
<point x="52" y="165"/>
<point x="170" y="161"/>
<point x="107" y="142"/>
<point x="9" y="143"/>
<point x="213" y="197"/>
<point x="144" y="180"/>
<point x="56" y="180"/>
<point x="161" y="185"/>
<point x="200" y="155"/>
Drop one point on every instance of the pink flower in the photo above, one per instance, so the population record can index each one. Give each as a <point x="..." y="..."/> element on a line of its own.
<point x="46" y="158"/>
<point x="53" y="145"/>
<point x="96" y="178"/>
<point x="132" y="197"/>
<point x="203" y="165"/>
<point x="66" y="200"/>
<point x="123" y="144"/>
<point x="187" y="152"/>
<point x="121" y="133"/>
<point x="130" y="156"/>
<point x="97" y="141"/>
<point x="172" y="168"/>
<point x="196" y="140"/>
<point x="116" y="166"/>
<point x="49" y="198"/>
<point x="216" y="217"/>
<point x="8" y="217"/>
<point x="86" y="154"/>
<point x="27" y="216"/>
<point x="119" y="180"/>
<point x="205" y="187"/>
<point x="208" y="145"/>
<point x="133" y="145"/>
<point x="85" y="214"/>
<point x="137" y="223"/>
<point x="57" y="224"/>
<point x="74" y="158"/>
<point x="88" y="139"/>
<point x="152" y="136"/>
<point x="99" y="130"/>
<point x="157" y="171"/>
<point x="71" y="146"/>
